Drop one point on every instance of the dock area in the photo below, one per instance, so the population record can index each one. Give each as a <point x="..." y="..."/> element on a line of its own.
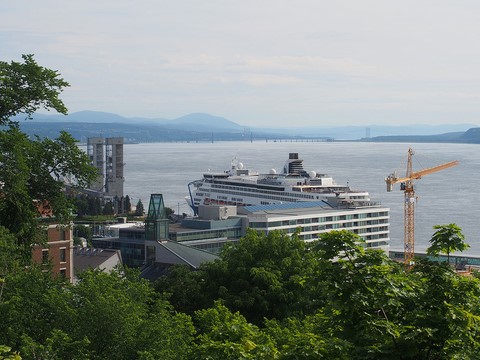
<point x="458" y="261"/>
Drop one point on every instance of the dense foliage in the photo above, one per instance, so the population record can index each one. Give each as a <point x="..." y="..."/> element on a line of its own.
<point x="34" y="172"/>
<point x="270" y="297"/>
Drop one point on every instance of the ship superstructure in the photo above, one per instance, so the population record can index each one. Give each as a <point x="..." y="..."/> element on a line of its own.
<point x="242" y="187"/>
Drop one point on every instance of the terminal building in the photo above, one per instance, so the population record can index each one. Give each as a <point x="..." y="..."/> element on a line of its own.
<point x="312" y="219"/>
<point x="217" y="225"/>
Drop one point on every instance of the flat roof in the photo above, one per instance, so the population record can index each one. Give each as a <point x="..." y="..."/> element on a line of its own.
<point x="137" y="224"/>
<point x="302" y="208"/>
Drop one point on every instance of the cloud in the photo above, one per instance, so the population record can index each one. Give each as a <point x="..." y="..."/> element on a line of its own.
<point x="269" y="63"/>
<point x="263" y="70"/>
<point x="260" y="79"/>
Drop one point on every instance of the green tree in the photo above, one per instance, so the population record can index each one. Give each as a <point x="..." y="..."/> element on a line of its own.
<point x="384" y="312"/>
<point x="165" y="334"/>
<point x="128" y="204"/>
<point x="169" y="211"/>
<point x="30" y="306"/>
<point x="5" y="353"/>
<point x="108" y="309"/>
<point x="10" y="257"/>
<point x="139" y="210"/>
<point x="443" y="318"/>
<point x="307" y="338"/>
<point x="26" y="87"/>
<point x="227" y="335"/>
<point x="362" y="292"/>
<point x="181" y="285"/>
<point x="81" y="205"/>
<point x="447" y="239"/>
<point x="94" y="206"/>
<point x="262" y="276"/>
<point x="35" y="173"/>
<point x="82" y="231"/>
<point x="108" y="208"/>
<point x="58" y="345"/>
<point x="104" y="316"/>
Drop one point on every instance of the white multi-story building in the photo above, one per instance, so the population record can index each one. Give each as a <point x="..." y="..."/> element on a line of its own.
<point x="314" y="218"/>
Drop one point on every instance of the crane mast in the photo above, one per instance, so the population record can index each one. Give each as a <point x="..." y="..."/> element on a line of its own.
<point x="409" y="213"/>
<point x="406" y="184"/>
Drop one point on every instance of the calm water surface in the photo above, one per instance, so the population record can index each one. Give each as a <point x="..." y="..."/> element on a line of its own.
<point x="449" y="196"/>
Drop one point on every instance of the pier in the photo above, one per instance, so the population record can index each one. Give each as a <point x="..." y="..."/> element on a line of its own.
<point x="458" y="261"/>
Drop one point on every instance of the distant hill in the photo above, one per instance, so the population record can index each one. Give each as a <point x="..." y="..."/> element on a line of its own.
<point x="206" y="127"/>
<point x="359" y="132"/>
<point x="471" y="136"/>
<point x="204" y="122"/>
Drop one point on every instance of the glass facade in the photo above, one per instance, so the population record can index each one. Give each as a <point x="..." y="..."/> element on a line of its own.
<point x="371" y="225"/>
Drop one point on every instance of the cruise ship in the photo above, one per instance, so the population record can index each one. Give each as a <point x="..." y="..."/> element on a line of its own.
<point x="242" y="187"/>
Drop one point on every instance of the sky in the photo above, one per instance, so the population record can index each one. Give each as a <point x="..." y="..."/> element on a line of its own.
<point x="258" y="63"/>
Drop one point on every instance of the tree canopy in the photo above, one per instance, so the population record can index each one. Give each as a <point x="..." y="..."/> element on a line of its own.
<point x="353" y="303"/>
<point x="447" y="239"/>
<point x="26" y="87"/>
<point x="36" y="176"/>
<point x="36" y="173"/>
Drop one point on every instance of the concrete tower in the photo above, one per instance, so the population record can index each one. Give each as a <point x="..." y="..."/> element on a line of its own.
<point x="106" y="156"/>
<point x="114" y="167"/>
<point x="96" y="152"/>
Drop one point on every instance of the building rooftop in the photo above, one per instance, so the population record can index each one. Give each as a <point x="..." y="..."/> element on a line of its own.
<point x="172" y="253"/>
<point x="286" y="206"/>
<point x="186" y="254"/>
<point x="299" y="208"/>
<point x="86" y="258"/>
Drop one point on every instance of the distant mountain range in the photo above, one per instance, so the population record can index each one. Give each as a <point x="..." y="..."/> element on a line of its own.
<point x="206" y="127"/>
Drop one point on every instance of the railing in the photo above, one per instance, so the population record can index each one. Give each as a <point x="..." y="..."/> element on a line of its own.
<point x="467" y="260"/>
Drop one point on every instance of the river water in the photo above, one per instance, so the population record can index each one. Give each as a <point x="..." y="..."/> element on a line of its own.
<point x="448" y="196"/>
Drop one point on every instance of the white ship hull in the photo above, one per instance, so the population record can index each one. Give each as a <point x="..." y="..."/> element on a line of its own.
<point x="242" y="187"/>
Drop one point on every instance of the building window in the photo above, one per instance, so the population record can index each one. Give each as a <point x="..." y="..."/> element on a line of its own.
<point x="45" y="256"/>
<point x="63" y="273"/>
<point x="63" y="255"/>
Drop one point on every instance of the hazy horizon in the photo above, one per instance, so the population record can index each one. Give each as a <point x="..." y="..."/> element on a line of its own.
<point x="267" y="63"/>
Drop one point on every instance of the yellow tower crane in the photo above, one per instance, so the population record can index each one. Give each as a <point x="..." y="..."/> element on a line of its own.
<point x="406" y="184"/>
